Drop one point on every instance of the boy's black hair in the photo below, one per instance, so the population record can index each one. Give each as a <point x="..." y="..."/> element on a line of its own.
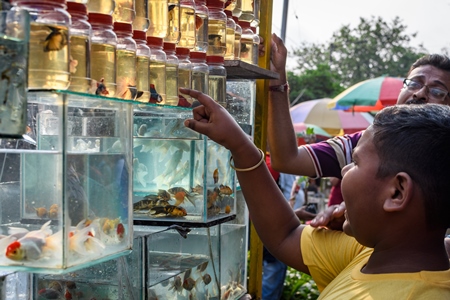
<point x="416" y="139"/>
<point x="439" y="61"/>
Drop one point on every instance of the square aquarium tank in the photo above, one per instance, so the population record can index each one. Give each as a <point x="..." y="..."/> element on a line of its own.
<point x="179" y="175"/>
<point x="65" y="187"/>
<point x="241" y="101"/>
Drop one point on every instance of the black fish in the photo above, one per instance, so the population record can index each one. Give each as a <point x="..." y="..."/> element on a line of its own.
<point x="56" y="40"/>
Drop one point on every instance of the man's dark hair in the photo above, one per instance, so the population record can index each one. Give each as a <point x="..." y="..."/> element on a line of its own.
<point x="416" y="139"/>
<point x="439" y="61"/>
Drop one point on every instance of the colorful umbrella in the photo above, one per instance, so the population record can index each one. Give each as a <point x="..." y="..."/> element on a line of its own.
<point x="366" y="93"/>
<point x="316" y="112"/>
<point x="300" y="130"/>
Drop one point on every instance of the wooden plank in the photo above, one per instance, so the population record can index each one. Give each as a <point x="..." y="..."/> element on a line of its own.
<point x="237" y="69"/>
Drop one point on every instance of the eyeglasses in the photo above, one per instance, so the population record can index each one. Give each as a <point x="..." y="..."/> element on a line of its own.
<point x="433" y="92"/>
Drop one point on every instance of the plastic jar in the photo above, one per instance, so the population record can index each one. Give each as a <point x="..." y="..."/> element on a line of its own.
<point x="237" y="11"/>
<point x="217" y="26"/>
<point x="125" y="61"/>
<point x="141" y="21"/>
<point x="237" y="39"/>
<point x="103" y="54"/>
<point x="157" y="70"/>
<point x="256" y="11"/>
<point x="255" y="49"/>
<point x="231" y="30"/>
<point x="201" y="23"/>
<point x="247" y="11"/>
<point x="158" y="15"/>
<point x="187" y="24"/>
<point x="80" y="45"/>
<point x="217" y="79"/>
<point x="200" y="71"/>
<point x="142" y="66"/>
<point x="184" y="72"/>
<point x="101" y="6"/>
<point x="48" y="59"/>
<point x="173" y="19"/>
<point x="124" y="11"/>
<point x="171" y="74"/>
<point x="246" y="42"/>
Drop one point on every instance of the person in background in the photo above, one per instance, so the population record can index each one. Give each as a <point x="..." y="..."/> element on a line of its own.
<point x="397" y="208"/>
<point x="335" y="192"/>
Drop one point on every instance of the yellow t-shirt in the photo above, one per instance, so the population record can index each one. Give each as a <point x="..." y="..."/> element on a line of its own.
<point x="335" y="260"/>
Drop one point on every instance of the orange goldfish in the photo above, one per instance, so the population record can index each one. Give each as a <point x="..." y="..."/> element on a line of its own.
<point x="216" y="176"/>
<point x="225" y="190"/>
<point x="169" y="210"/>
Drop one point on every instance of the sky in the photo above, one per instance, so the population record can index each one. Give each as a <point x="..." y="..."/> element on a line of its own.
<point x="315" y="21"/>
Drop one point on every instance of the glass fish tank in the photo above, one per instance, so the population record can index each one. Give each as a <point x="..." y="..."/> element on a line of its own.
<point x="120" y="278"/>
<point x="14" y="285"/>
<point x="65" y="186"/>
<point x="241" y="101"/>
<point x="179" y="175"/>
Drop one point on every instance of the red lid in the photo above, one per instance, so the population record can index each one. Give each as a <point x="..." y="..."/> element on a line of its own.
<point x="183" y="51"/>
<point x="169" y="46"/>
<point x="76" y="8"/>
<point x="96" y="18"/>
<point x="155" y="41"/>
<point x="123" y="27"/>
<point x="215" y="3"/>
<point x="236" y="20"/>
<point x="198" y="55"/>
<point x="253" y="29"/>
<point x="244" y="24"/>
<point x="229" y="13"/>
<point x="214" y="59"/>
<point x="139" y="35"/>
<point x="60" y="3"/>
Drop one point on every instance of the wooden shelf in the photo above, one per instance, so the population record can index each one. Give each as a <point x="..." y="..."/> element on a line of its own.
<point x="237" y="69"/>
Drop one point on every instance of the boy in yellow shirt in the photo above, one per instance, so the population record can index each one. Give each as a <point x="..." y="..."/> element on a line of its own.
<point x="397" y="206"/>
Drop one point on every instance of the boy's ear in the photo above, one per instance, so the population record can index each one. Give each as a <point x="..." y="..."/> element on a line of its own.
<point x="400" y="187"/>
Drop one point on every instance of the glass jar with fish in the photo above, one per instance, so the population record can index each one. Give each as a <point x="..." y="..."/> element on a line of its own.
<point x="217" y="26"/>
<point x="125" y="62"/>
<point x="80" y="45"/>
<point x="103" y="54"/>
<point x="184" y="75"/>
<point x="141" y="21"/>
<point x="247" y="42"/>
<point x="48" y="61"/>
<point x="255" y="48"/>
<point x="237" y="39"/>
<point x="124" y="11"/>
<point x="172" y="66"/>
<point x="101" y="6"/>
<point x="159" y="18"/>
<point x="200" y="72"/>
<point x="173" y="18"/>
<point x="142" y="66"/>
<point x="248" y="12"/>
<point x="201" y="25"/>
<point x="231" y="31"/>
<point x="188" y="24"/>
<point x="157" y="73"/>
<point x="217" y="79"/>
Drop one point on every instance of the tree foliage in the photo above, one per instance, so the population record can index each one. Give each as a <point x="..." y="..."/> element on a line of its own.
<point x="371" y="49"/>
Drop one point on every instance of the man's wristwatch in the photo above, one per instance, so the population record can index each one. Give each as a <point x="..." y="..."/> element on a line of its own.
<point x="279" y="88"/>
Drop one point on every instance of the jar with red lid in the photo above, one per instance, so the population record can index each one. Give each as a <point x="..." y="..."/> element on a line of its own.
<point x="231" y="30"/>
<point x="187" y="24"/>
<point x="217" y="79"/>
<point x="157" y="70"/>
<point x="101" y="6"/>
<point x="184" y="74"/>
<point x="141" y="21"/>
<point x="171" y="74"/>
<point x="158" y="13"/>
<point x="103" y="54"/>
<point x="247" y="42"/>
<point x="125" y="61"/>
<point x="217" y="26"/>
<point x="248" y="11"/>
<point x="201" y="23"/>
<point x="237" y="39"/>
<point x="80" y="45"/>
<point x="48" y="59"/>
<point x="142" y="66"/>
<point x="200" y="71"/>
<point x="173" y="22"/>
<point x="124" y="11"/>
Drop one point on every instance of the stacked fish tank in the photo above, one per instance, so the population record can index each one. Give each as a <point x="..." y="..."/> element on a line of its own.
<point x="65" y="187"/>
<point x="120" y="278"/>
<point x="179" y="175"/>
<point x="241" y="100"/>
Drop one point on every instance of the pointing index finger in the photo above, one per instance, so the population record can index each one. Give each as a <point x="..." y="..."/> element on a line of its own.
<point x="202" y="98"/>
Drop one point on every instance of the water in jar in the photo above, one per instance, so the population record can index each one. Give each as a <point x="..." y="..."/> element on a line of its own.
<point x="185" y="81"/>
<point x="158" y="14"/>
<point x="187" y="27"/>
<point x="48" y="62"/>
<point x="200" y="80"/>
<point x="124" y="11"/>
<point x="237" y="45"/>
<point x="101" y="6"/>
<point x="217" y="89"/>
<point x="142" y="82"/>
<point x="201" y="23"/>
<point x="104" y="68"/>
<point x="171" y="84"/>
<point x="247" y="50"/>
<point x="126" y="74"/>
<point x="79" y="63"/>
<point x="173" y="29"/>
<point x="141" y="21"/>
<point x="230" y="43"/>
<point x="217" y="37"/>
<point x="157" y="78"/>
